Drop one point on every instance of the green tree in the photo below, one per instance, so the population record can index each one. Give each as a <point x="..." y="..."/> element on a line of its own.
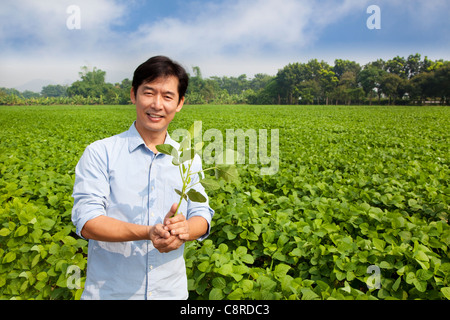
<point x="54" y="91"/>
<point x="92" y="84"/>
<point x="370" y="80"/>
<point x="328" y="82"/>
<point x="294" y="80"/>
<point x="389" y="85"/>
<point x="397" y="66"/>
<point x="441" y="85"/>
<point x="260" y="81"/>
<point x="413" y="66"/>
<point x="345" y="90"/>
<point x="288" y="79"/>
<point x="343" y="66"/>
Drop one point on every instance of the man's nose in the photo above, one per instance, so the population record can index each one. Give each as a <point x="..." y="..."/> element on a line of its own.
<point x="157" y="102"/>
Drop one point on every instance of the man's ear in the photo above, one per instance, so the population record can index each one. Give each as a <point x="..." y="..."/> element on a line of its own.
<point x="132" y="96"/>
<point x="180" y="104"/>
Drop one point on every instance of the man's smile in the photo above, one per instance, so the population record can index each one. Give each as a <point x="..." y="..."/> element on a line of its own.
<point x="154" y="116"/>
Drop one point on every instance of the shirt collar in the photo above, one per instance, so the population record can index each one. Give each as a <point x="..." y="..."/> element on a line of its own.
<point x="135" y="140"/>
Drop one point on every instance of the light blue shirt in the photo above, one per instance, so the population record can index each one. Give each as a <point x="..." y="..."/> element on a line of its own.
<point x="122" y="178"/>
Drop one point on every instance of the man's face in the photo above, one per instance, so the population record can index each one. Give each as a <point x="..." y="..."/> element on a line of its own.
<point x="156" y="104"/>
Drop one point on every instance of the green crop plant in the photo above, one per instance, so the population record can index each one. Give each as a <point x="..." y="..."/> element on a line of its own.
<point x="184" y="158"/>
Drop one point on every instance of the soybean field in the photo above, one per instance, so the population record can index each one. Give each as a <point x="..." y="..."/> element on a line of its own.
<point x="356" y="208"/>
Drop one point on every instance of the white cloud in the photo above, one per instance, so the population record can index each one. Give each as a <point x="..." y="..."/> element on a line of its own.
<point x="43" y="23"/>
<point x="35" y="42"/>
<point x="227" y="37"/>
<point x="244" y="26"/>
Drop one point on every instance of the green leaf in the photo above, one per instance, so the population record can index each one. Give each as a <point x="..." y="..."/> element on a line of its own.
<point x="396" y="284"/>
<point x="248" y="258"/>
<point x="236" y="294"/>
<point x="219" y="283"/>
<point x="241" y="250"/>
<point x="68" y="240"/>
<point x="308" y="294"/>
<point x="281" y="270"/>
<point x="227" y="172"/>
<point x="176" y="161"/>
<point x="237" y="277"/>
<point x="255" y="196"/>
<point x="420" y="285"/>
<point x="266" y="283"/>
<point x="35" y="260"/>
<point x="47" y="224"/>
<point x="166" y="149"/>
<point x="24" y="286"/>
<point x="2" y="281"/>
<point x="22" y="230"/>
<point x="424" y="275"/>
<point x="53" y="200"/>
<point x="210" y="184"/>
<point x="379" y="244"/>
<point x="223" y="248"/>
<point x="246" y="285"/>
<point x="41" y="276"/>
<point x="226" y="269"/>
<point x="9" y="257"/>
<point x="410" y="277"/>
<point x="195" y="196"/>
<point x="203" y="266"/>
<point x="446" y="292"/>
<point x="170" y="151"/>
<point x="240" y="269"/>
<point x="421" y="256"/>
<point x="4" y="232"/>
<point x="181" y="194"/>
<point x="216" y="294"/>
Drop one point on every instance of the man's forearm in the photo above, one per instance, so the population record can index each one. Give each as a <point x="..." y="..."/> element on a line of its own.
<point x="105" y="228"/>
<point x="198" y="226"/>
<point x="108" y="229"/>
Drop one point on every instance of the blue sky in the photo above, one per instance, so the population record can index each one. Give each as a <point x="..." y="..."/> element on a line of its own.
<point x="223" y="38"/>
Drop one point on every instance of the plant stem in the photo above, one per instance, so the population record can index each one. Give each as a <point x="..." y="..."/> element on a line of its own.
<point x="204" y="170"/>
<point x="184" y="180"/>
<point x="179" y="203"/>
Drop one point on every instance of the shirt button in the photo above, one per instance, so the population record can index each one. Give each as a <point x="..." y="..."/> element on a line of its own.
<point x="153" y="214"/>
<point x="151" y="267"/>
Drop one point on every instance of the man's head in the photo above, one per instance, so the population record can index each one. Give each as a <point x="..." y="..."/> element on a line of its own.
<point x="160" y="67"/>
<point x="158" y="90"/>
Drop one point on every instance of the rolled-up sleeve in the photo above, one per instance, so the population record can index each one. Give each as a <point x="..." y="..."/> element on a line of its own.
<point x="91" y="188"/>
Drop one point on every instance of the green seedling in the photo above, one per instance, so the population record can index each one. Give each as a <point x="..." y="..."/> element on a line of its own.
<point x="184" y="158"/>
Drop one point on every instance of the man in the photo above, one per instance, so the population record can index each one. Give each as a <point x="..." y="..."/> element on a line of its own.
<point x="124" y="198"/>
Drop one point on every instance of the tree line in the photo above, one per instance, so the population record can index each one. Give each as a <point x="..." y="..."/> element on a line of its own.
<point x="400" y="80"/>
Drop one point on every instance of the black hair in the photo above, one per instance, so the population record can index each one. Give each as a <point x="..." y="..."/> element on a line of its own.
<point x="157" y="67"/>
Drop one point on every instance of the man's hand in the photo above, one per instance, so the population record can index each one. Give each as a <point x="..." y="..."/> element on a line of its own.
<point x="178" y="225"/>
<point x="176" y="230"/>
<point x="161" y="236"/>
